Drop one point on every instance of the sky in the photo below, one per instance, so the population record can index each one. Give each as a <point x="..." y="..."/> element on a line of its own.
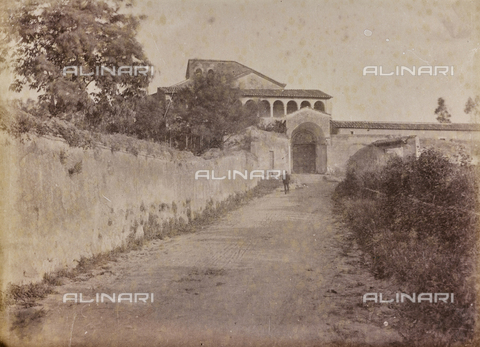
<point x="325" y="45"/>
<point x="321" y="44"/>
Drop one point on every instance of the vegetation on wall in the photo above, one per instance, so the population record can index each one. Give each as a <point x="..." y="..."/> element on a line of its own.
<point x="278" y="127"/>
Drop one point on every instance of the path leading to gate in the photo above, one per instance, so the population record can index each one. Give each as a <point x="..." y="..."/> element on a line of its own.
<point x="270" y="273"/>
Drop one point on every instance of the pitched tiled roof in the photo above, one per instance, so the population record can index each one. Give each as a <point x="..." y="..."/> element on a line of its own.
<point x="286" y="93"/>
<point x="274" y="93"/>
<point x="405" y="126"/>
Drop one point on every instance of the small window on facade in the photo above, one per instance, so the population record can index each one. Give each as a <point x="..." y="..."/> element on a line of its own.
<point x="351" y="132"/>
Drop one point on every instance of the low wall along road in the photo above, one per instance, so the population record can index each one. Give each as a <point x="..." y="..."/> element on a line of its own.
<point x="61" y="203"/>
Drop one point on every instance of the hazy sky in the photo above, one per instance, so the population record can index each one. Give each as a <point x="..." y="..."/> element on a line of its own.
<point x="321" y="44"/>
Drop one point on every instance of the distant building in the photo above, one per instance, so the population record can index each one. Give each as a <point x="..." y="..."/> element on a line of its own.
<point x="272" y="98"/>
<point x="314" y="143"/>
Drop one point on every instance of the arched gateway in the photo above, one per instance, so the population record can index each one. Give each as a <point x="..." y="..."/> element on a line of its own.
<point x="306" y="129"/>
<point x="304" y="152"/>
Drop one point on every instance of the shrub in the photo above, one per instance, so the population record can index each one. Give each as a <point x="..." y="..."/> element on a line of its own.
<point x="417" y="222"/>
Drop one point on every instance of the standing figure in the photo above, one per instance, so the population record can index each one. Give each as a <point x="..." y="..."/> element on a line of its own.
<point x="286" y="182"/>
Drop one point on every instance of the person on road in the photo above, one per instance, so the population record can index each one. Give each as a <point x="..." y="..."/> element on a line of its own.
<point x="286" y="182"/>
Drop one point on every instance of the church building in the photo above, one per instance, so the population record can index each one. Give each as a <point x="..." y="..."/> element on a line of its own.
<point x="313" y="143"/>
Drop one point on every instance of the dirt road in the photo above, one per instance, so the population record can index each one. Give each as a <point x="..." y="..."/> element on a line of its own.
<point x="270" y="273"/>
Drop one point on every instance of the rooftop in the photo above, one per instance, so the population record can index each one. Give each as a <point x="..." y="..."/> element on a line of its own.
<point x="405" y="126"/>
<point x="264" y="93"/>
<point x="286" y="93"/>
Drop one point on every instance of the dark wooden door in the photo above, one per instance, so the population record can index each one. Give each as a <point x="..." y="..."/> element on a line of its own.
<point x="304" y="158"/>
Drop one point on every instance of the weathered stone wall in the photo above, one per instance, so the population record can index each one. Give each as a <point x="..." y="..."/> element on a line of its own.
<point x="60" y="203"/>
<point x="377" y="154"/>
<point x="267" y="145"/>
<point x="425" y="134"/>
<point x="343" y="146"/>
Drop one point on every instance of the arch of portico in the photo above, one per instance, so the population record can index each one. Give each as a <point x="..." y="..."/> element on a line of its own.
<point x="305" y="103"/>
<point x="264" y="109"/>
<point x="319" y="106"/>
<point x="280" y="107"/>
<point x="292" y="106"/>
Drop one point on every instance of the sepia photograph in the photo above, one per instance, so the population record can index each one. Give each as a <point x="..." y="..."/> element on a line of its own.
<point x="239" y="173"/>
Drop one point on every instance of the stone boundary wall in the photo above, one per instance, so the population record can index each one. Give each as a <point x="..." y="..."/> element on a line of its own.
<point x="343" y="146"/>
<point x="59" y="203"/>
<point x="270" y="148"/>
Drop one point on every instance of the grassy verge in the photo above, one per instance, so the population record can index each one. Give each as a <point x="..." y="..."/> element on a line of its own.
<point x="416" y="221"/>
<point x="212" y="212"/>
<point x="27" y="295"/>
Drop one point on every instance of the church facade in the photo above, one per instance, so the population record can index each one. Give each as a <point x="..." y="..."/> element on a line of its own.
<point x="314" y="143"/>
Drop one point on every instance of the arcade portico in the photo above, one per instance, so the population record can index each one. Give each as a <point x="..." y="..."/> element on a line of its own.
<point x="313" y="142"/>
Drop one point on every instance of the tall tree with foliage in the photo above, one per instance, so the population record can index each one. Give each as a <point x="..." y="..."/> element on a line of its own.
<point x="48" y="35"/>
<point x="149" y="122"/>
<point x="472" y="107"/>
<point x="206" y="113"/>
<point x="443" y="116"/>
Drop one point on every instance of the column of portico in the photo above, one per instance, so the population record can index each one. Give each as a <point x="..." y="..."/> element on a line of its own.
<point x="270" y="104"/>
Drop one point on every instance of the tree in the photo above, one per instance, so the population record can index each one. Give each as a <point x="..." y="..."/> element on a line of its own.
<point x="443" y="116"/>
<point x="50" y="35"/>
<point x="208" y="112"/>
<point x="149" y="122"/>
<point x="472" y="107"/>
